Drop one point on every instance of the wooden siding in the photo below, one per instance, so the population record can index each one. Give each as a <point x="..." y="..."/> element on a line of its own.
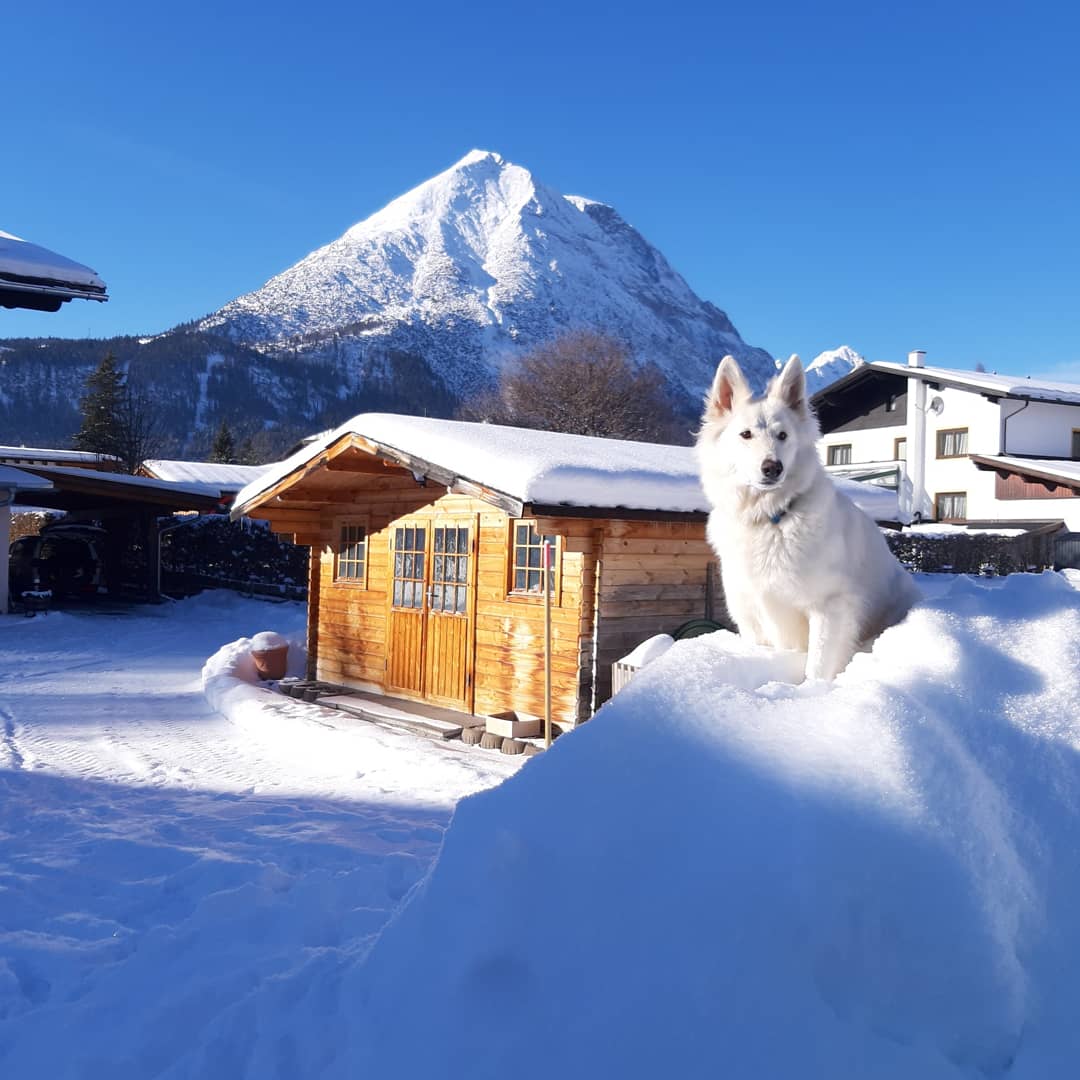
<point x="619" y="582"/>
<point x="654" y="576"/>
<point x="1016" y="487"/>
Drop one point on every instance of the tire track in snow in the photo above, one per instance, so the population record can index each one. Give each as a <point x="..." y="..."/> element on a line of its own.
<point x="10" y="744"/>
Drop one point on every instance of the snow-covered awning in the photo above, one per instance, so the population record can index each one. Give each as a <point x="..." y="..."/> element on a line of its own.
<point x="37" y="278"/>
<point x="518" y="467"/>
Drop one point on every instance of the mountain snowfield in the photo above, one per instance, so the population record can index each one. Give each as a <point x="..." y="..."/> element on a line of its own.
<point x="477" y="264"/>
<point x="410" y="311"/>
<point x="829" y="366"/>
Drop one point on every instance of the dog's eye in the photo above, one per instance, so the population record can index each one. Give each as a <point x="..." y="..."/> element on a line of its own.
<point x="782" y="435"/>
<point x="746" y="434"/>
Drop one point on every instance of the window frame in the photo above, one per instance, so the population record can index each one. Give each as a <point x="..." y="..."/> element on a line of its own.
<point x="896" y="448"/>
<point x="524" y="595"/>
<point x="939" y="441"/>
<point x="829" y="450"/>
<point x="340" y="524"/>
<point x="938" y="496"/>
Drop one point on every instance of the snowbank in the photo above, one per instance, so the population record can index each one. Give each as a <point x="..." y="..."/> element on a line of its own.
<point x="725" y="874"/>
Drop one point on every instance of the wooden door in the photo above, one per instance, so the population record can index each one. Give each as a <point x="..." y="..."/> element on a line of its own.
<point x="432" y="606"/>
<point x="448" y="652"/>
<point x="408" y="594"/>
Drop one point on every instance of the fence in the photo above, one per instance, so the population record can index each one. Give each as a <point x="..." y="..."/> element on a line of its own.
<point x="985" y="553"/>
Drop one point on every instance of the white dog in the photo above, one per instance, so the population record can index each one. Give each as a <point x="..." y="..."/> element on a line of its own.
<point x="802" y="566"/>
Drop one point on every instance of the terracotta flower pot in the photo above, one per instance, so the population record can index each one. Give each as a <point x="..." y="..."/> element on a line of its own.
<point x="270" y="652"/>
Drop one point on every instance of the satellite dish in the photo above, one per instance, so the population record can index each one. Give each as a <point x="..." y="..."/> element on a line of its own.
<point x="936" y="406"/>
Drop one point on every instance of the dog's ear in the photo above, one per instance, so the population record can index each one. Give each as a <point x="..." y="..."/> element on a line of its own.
<point x="729" y="389"/>
<point x="789" y="387"/>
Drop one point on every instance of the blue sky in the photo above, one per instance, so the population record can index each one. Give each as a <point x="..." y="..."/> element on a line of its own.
<point x="889" y="177"/>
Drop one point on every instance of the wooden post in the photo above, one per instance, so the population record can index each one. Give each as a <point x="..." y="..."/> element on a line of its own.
<point x="547" y="643"/>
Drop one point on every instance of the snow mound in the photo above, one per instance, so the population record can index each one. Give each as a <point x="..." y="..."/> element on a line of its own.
<point x="727" y="874"/>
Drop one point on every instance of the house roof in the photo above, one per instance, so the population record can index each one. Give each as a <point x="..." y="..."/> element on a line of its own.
<point x="18" y="481"/>
<point x="225" y="477"/>
<point x="1053" y="471"/>
<point x="35" y="277"/>
<point x="517" y="467"/>
<point x="20" y="454"/>
<point x="985" y="383"/>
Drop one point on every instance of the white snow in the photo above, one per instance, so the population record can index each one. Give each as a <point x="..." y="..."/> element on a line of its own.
<point x="162" y="865"/>
<point x="473" y="266"/>
<point x="829" y="366"/>
<point x="214" y="473"/>
<point x="1038" y="389"/>
<point x="544" y="467"/>
<point x="42" y="455"/>
<point x="722" y="874"/>
<point x="22" y="259"/>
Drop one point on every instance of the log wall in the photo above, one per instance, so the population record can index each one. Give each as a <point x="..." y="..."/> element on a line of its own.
<point x="619" y="582"/>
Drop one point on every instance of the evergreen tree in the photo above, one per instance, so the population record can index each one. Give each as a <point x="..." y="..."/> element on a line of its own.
<point x="102" y="411"/>
<point x="224" y="448"/>
<point x="247" y="454"/>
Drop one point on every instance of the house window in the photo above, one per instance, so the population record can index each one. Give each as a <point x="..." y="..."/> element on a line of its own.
<point x="350" y="556"/>
<point x="1076" y="444"/>
<point x="839" y="455"/>
<point x="952" y="442"/>
<point x="899" y="450"/>
<point x="527" y="564"/>
<point x="950" y="506"/>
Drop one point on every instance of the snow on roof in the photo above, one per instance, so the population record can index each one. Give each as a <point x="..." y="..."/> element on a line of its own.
<point x="17" y="480"/>
<point x="22" y="259"/>
<point x="225" y="477"/>
<point x="123" y="480"/>
<point x="1052" y="468"/>
<point x="544" y="468"/>
<point x="988" y="383"/>
<point x="35" y="453"/>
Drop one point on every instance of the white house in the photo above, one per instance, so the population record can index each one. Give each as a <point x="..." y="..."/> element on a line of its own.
<point x="959" y="445"/>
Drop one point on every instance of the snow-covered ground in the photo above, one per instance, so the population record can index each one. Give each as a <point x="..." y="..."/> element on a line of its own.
<point x="723" y="874"/>
<point x="163" y="866"/>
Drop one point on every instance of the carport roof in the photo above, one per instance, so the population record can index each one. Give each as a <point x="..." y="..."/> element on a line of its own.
<point x="85" y="489"/>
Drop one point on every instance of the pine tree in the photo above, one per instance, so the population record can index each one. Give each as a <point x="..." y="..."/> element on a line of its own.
<point x="224" y="448"/>
<point x="102" y="409"/>
<point x="247" y="454"/>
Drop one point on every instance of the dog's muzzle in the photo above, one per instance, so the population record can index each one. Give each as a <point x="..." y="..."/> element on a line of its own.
<point x="771" y="470"/>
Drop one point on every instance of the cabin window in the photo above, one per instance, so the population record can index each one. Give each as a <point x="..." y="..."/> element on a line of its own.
<point x="952" y="442"/>
<point x="350" y="556"/>
<point x="410" y="554"/>
<point x="951" y="506"/>
<point x="527" y="564"/>
<point x="899" y="450"/>
<point x="839" y="455"/>
<point x="1075" y="444"/>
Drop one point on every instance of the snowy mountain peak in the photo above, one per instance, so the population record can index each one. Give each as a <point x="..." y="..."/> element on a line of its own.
<point x="831" y="365"/>
<point x="474" y="266"/>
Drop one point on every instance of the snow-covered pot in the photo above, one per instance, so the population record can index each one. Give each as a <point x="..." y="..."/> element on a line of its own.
<point x="270" y="652"/>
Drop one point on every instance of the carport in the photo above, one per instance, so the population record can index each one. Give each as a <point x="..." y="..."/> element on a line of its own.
<point x="114" y="499"/>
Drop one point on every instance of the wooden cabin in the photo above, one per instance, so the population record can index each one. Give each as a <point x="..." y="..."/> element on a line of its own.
<point x="426" y="573"/>
<point x="426" y="577"/>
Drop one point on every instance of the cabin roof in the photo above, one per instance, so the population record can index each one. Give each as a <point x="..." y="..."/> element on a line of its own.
<point x="516" y="467"/>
